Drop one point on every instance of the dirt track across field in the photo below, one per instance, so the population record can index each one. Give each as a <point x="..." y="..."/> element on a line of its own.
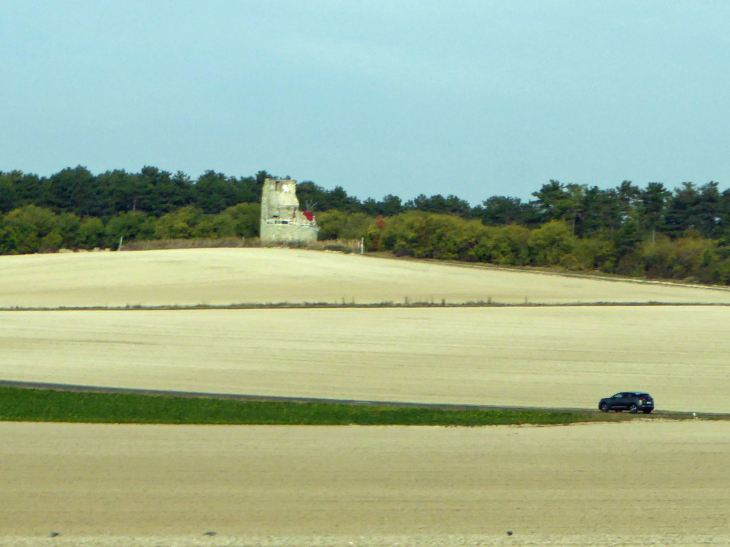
<point x="537" y="357"/>
<point x="586" y="483"/>
<point x="231" y="276"/>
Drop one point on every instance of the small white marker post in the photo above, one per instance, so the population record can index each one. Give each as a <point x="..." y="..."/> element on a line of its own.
<point x="121" y="238"/>
<point x="362" y="245"/>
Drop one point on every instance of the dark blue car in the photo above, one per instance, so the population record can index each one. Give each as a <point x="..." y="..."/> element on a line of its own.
<point x="633" y="401"/>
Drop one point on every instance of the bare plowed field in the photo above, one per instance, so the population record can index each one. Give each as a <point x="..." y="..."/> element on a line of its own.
<point x="231" y="276"/>
<point x="552" y="357"/>
<point x="600" y="484"/>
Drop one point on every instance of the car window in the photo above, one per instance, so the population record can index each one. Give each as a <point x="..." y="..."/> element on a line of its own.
<point x="617" y="396"/>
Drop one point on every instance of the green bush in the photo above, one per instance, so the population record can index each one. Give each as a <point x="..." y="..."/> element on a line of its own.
<point x="132" y="226"/>
<point x="510" y="245"/>
<point x="178" y="224"/>
<point x="90" y="233"/>
<point x="246" y="218"/>
<point x="30" y="229"/>
<point x="549" y="243"/>
<point x="214" y="227"/>
<point x="340" y="225"/>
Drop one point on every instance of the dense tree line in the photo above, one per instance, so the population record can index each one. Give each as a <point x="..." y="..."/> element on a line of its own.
<point x="425" y="235"/>
<point x="650" y="231"/>
<point x="589" y="210"/>
<point x="150" y="191"/>
<point x="32" y="229"/>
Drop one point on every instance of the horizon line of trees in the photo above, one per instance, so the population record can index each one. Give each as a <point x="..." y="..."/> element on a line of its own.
<point x="589" y="209"/>
<point x="651" y="231"/>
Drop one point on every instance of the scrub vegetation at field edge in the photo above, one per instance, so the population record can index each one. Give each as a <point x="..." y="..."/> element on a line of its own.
<point x="46" y="405"/>
<point x="352" y="305"/>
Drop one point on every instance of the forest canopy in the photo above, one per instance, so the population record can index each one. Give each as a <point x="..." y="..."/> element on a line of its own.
<point x="649" y="231"/>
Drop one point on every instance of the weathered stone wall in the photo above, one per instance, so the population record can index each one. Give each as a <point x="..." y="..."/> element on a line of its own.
<point x="283" y="233"/>
<point x="281" y="219"/>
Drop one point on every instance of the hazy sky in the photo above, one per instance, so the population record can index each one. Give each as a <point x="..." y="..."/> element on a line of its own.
<point x="472" y="98"/>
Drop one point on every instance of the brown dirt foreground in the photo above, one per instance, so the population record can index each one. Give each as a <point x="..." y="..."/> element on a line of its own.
<point x="639" y="483"/>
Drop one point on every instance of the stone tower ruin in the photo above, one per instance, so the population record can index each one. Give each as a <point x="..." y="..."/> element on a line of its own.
<point x="281" y="219"/>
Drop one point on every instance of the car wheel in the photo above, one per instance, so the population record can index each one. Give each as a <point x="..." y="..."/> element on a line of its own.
<point x="647" y="411"/>
<point x="603" y="407"/>
<point x="633" y="409"/>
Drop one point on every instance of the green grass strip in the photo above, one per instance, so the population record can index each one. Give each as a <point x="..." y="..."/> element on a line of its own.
<point x="45" y="405"/>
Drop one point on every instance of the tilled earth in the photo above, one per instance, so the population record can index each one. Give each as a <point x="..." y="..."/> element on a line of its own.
<point x="639" y="483"/>
<point x="231" y="276"/>
<point x="630" y="540"/>
<point x="533" y="357"/>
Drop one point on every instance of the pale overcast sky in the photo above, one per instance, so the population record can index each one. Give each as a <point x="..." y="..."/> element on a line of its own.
<point x="473" y="98"/>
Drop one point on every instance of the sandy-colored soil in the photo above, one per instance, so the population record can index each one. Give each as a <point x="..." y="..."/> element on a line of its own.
<point x="587" y="484"/>
<point x="430" y="540"/>
<point x="226" y="276"/>
<point x="638" y="483"/>
<point x="559" y="357"/>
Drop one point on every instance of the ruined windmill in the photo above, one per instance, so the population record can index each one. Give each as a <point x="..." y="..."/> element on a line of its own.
<point x="281" y="219"/>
